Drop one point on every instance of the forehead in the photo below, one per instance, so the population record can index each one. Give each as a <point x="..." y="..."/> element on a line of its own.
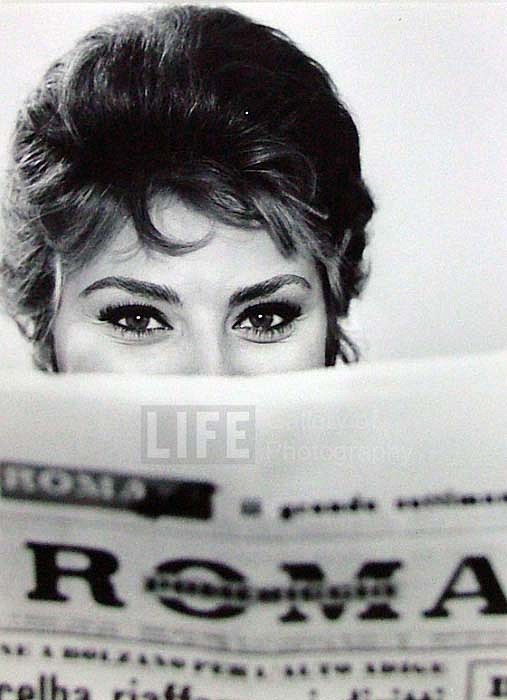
<point x="233" y="257"/>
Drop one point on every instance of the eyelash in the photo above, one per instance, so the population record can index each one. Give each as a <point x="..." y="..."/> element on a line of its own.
<point x="113" y="314"/>
<point x="287" y="310"/>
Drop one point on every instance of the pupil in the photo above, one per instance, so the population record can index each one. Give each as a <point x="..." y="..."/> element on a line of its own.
<point x="137" y="322"/>
<point x="261" y="320"/>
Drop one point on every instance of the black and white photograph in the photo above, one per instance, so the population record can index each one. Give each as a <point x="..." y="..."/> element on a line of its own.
<point x="253" y="380"/>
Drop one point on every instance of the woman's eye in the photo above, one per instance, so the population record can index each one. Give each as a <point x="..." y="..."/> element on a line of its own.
<point x="135" y="319"/>
<point x="267" y="322"/>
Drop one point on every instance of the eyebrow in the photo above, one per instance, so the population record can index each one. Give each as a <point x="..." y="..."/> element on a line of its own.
<point x="150" y="290"/>
<point x="147" y="290"/>
<point x="266" y="288"/>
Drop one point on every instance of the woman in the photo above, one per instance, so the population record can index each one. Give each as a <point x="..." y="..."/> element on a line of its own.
<point x="185" y="197"/>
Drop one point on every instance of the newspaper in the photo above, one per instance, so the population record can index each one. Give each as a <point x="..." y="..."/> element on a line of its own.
<point x="322" y="535"/>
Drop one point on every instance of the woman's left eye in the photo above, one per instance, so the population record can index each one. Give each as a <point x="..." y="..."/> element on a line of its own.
<point x="267" y="322"/>
<point x="135" y="319"/>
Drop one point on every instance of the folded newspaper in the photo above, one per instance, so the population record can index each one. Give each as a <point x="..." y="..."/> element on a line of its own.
<point x="321" y="535"/>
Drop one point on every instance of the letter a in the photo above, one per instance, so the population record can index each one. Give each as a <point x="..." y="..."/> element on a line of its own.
<point x="489" y="589"/>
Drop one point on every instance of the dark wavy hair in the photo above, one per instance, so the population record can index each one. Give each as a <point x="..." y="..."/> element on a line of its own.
<point x="201" y="102"/>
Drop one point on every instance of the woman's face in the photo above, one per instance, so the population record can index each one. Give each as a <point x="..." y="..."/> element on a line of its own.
<point x="234" y="306"/>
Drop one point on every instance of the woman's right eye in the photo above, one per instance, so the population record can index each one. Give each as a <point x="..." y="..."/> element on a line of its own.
<point x="138" y="320"/>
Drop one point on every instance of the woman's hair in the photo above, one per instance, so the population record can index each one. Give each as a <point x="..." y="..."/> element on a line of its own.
<point x="200" y="102"/>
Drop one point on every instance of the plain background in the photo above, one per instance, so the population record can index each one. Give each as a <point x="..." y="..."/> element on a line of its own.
<point x="427" y="86"/>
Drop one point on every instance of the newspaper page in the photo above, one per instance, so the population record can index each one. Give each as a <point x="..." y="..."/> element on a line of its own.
<point x="321" y="535"/>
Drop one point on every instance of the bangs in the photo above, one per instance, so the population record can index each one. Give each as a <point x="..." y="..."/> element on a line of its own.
<point x="94" y="215"/>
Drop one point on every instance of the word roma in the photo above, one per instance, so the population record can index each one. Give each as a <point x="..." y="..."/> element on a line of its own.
<point x="305" y="578"/>
<point x="147" y="496"/>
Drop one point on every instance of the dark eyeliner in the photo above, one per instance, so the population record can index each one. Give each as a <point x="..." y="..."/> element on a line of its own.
<point x="288" y="310"/>
<point x="113" y="313"/>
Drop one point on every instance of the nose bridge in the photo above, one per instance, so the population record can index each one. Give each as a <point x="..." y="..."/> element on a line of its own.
<point x="211" y="358"/>
<point x="209" y="352"/>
